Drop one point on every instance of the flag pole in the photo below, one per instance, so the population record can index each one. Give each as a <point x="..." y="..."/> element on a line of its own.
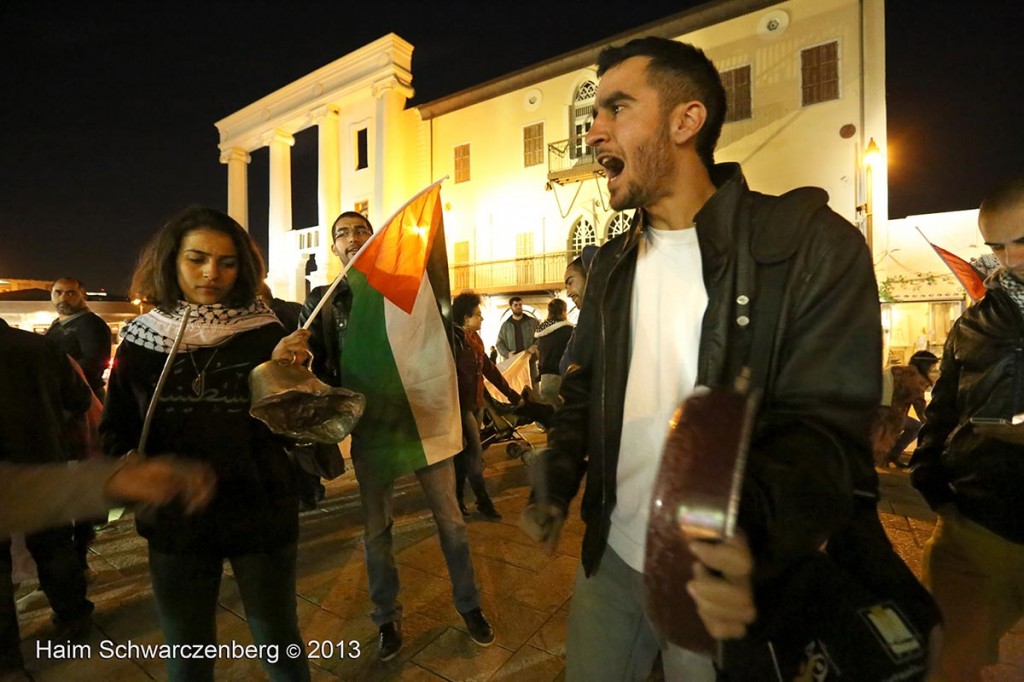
<point x="344" y="271"/>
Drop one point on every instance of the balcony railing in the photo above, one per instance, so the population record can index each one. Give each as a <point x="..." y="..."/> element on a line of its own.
<point x="571" y="161"/>
<point x="540" y="272"/>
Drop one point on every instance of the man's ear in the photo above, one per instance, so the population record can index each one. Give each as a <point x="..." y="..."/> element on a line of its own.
<point x="686" y="120"/>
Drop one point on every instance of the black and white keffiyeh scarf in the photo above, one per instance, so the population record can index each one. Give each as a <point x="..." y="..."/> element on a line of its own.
<point x="208" y="325"/>
<point x="1012" y="286"/>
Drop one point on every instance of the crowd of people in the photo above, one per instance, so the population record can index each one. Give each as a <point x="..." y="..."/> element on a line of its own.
<point x="711" y="285"/>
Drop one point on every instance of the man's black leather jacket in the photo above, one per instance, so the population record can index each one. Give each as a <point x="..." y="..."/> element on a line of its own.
<point x="982" y="375"/>
<point x="810" y="447"/>
<point x="327" y="333"/>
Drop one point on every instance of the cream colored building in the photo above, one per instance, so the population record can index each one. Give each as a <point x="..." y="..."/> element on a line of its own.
<point x="806" y="82"/>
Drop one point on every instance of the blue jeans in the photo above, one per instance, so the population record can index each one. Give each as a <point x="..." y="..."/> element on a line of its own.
<point x="438" y="483"/>
<point x="911" y="427"/>
<point x="610" y="638"/>
<point x="186" y="586"/>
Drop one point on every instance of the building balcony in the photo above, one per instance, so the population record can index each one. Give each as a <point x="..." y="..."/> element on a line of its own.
<point x="542" y="272"/>
<point x="572" y="160"/>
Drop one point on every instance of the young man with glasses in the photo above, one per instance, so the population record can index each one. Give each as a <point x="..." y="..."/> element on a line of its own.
<point x="327" y="335"/>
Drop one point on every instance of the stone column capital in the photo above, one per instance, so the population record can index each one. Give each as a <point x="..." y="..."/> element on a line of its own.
<point x="389" y="83"/>
<point x="320" y="114"/>
<point x="277" y="137"/>
<point x="234" y="154"/>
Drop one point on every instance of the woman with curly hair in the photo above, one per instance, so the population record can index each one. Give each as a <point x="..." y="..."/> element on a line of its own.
<point x="205" y="263"/>
<point x="471" y="366"/>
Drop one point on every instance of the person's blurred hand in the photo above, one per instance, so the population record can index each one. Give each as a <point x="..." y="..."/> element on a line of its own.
<point x="543" y="523"/>
<point x="721" y="586"/>
<point x="159" y="480"/>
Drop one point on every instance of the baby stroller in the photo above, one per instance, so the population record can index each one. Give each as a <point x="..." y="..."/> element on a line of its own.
<point x="500" y="425"/>
<point x="501" y="421"/>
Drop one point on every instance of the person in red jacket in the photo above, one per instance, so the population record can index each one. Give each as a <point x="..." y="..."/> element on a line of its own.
<point x="471" y="366"/>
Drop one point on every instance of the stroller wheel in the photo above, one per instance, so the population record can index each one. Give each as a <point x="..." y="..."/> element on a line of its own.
<point x="513" y="450"/>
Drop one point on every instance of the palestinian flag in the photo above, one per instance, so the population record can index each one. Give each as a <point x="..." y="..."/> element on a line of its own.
<point x="969" y="278"/>
<point x="397" y="349"/>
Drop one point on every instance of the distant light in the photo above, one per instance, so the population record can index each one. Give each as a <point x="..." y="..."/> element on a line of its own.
<point x="872" y="155"/>
<point x="95" y="293"/>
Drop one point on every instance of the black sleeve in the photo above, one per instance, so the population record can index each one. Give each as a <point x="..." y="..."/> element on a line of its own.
<point x="811" y="449"/>
<point x="94" y="339"/>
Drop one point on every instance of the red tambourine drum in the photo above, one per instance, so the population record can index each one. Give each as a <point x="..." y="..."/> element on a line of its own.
<point x="696" y="497"/>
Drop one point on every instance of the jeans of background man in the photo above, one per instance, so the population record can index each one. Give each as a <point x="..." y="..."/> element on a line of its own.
<point x="60" y="578"/>
<point x="186" y="586"/>
<point x="911" y="427"/>
<point x="438" y="483"/>
<point x="610" y="638"/>
<point x="469" y="464"/>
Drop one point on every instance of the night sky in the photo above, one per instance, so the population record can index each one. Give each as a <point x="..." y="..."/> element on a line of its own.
<point x="108" y="107"/>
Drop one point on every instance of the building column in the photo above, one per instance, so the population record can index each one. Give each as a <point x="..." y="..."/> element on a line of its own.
<point x="279" y="226"/>
<point x="329" y="179"/>
<point x="391" y="149"/>
<point x="237" y="161"/>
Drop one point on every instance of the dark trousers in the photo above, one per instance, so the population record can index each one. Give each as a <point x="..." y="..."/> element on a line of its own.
<point x="60" y="578"/>
<point x="470" y="462"/>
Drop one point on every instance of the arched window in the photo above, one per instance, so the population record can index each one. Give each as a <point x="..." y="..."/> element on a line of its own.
<point x="618" y="224"/>
<point x="581" y="115"/>
<point x="582" y="233"/>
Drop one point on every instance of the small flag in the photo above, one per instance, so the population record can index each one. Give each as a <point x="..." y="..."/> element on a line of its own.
<point x="969" y="278"/>
<point x="397" y="349"/>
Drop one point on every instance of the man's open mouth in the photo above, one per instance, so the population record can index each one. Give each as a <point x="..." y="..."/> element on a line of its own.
<point x="612" y="165"/>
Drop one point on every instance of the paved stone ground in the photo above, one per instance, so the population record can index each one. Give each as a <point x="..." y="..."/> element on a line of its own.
<point x="525" y="593"/>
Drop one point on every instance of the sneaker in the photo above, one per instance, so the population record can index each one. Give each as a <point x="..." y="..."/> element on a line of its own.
<point x="479" y="629"/>
<point x="488" y="512"/>
<point x="390" y="641"/>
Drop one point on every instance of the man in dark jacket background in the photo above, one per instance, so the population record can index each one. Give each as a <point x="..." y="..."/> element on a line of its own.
<point x="662" y="317"/>
<point x="973" y="474"/>
<point x="80" y="332"/>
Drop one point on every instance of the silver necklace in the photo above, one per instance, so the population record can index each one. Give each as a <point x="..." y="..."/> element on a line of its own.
<point x="199" y="383"/>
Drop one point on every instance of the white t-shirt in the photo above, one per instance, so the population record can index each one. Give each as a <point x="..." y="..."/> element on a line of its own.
<point x="669" y="300"/>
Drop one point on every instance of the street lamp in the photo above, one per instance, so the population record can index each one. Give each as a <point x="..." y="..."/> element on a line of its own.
<point x="872" y="155"/>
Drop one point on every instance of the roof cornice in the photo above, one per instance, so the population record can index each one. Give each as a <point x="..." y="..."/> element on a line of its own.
<point x="679" y="24"/>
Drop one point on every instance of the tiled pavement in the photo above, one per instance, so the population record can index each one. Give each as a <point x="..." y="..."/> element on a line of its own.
<point x="525" y="594"/>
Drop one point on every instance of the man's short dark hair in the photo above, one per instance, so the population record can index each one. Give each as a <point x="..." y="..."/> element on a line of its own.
<point x="514" y="299"/>
<point x="78" y="283"/>
<point x="679" y="72"/>
<point x="556" y="308"/>
<point x="463" y="306"/>
<point x="350" y="214"/>
<point x="1006" y="197"/>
